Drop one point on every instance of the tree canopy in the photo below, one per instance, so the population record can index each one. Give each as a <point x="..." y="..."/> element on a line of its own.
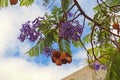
<point x="63" y="27"/>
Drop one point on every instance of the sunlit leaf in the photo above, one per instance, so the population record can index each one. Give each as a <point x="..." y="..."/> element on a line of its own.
<point x="3" y="3"/>
<point x="26" y="2"/>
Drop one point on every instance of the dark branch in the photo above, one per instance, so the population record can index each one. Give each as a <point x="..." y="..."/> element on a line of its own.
<point x="70" y="8"/>
<point x="92" y="40"/>
<point x="75" y="17"/>
<point x="88" y="54"/>
<point x="89" y="18"/>
<point x="75" y="13"/>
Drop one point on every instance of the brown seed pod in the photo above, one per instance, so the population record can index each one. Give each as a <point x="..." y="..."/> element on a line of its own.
<point x="54" y="59"/>
<point x="55" y="53"/>
<point x="62" y="56"/>
<point x="115" y="26"/>
<point x="69" y="59"/>
<point x="13" y="2"/>
<point x="64" y="61"/>
<point x="69" y="55"/>
<point x="58" y="62"/>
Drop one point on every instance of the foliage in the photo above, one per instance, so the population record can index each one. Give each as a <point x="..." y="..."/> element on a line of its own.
<point x="51" y="26"/>
<point x="65" y="4"/>
<point x="3" y="3"/>
<point x="26" y="2"/>
<point x="105" y="39"/>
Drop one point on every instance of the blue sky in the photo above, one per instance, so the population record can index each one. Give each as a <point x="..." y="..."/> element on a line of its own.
<point x="15" y="65"/>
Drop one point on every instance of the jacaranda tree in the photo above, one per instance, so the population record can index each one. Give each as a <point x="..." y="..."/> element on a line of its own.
<point x="64" y="26"/>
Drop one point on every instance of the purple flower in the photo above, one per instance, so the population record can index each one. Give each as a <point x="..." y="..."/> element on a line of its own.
<point x="25" y="27"/>
<point x="29" y="30"/>
<point x="21" y="37"/>
<point x="69" y="30"/>
<point x="96" y="66"/>
<point x="75" y="37"/>
<point x="47" y="51"/>
<point x="70" y="14"/>
<point x="36" y="23"/>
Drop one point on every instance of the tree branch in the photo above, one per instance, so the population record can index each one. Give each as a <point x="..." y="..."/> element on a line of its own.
<point x="88" y="54"/>
<point x="75" y="17"/>
<point x="83" y="13"/>
<point x="92" y="40"/>
<point x="75" y="13"/>
<point x="71" y="8"/>
<point x="89" y="18"/>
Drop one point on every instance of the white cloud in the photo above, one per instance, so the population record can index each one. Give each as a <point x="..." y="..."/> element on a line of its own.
<point x="10" y="23"/>
<point x="18" y="68"/>
<point x="80" y="55"/>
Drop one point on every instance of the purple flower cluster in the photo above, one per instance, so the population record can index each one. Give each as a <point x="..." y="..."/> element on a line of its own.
<point x="98" y="66"/>
<point x="47" y="51"/>
<point x="29" y="30"/>
<point x="70" y="30"/>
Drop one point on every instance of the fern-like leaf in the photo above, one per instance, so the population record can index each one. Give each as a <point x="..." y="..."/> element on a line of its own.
<point x="26" y="2"/>
<point x="3" y="3"/>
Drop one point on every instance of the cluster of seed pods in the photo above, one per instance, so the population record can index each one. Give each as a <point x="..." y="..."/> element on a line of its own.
<point x="60" y="58"/>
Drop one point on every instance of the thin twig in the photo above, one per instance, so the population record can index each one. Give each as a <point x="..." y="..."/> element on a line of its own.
<point x="93" y="28"/>
<point x="108" y="31"/>
<point x="88" y="54"/>
<point x="84" y="22"/>
<point x="104" y="3"/>
<point x="115" y="6"/>
<point x="110" y="6"/>
<point x="89" y="18"/>
<point x="101" y="62"/>
<point x="75" y="13"/>
<point x="116" y="43"/>
<point x="83" y="13"/>
<point x="102" y="56"/>
<point x="102" y="9"/>
<point x="70" y="8"/>
<point x="83" y="26"/>
<point x="65" y="13"/>
<point x="75" y="17"/>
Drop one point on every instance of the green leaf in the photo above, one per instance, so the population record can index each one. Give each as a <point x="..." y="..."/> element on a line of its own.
<point x="113" y="2"/>
<point x="37" y="49"/>
<point x="26" y="2"/>
<point x="114" y="69"/>
<point x="65" y="4"/>
<point x="3" y="3"/>
<point x="77" y="44"/>
<point x="55" y="36"/>
<point x="34" y="51"/>
<point x="41" y="45"/>
<point x="65" y="46"/>
<point x="87" y="38"/>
